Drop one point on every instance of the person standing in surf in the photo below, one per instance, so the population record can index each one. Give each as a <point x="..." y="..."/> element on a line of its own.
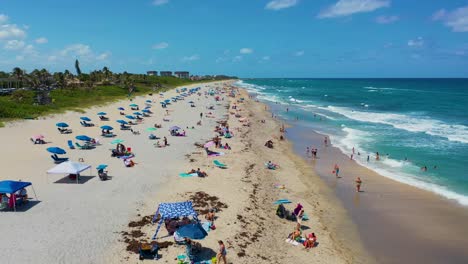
<point x="336" y="170"/>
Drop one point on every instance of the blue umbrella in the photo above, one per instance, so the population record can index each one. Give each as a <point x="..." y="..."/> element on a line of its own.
<point x="123" y="122"/>
<point x="121" y="108"/>
<point x="167" y="100"/>
<point x="107" y="127"/>
<point x="137" y="113"/>
<point x="192" y="231"/>
<point x="56" y="150"/>
<point x="62" y="124"/>
<point x="101" y="166"/>
<point x="148" y="101"/>
<point x="130" y="117"/>
<point x="83" y="137"/>
<point x="85" y="118"/>
<point x="148" y="107"/>
<point x="145" y="111"/>
<point x="190" y="102"/>
<point x="101" y="114"/>
<point x="133" y="105"/>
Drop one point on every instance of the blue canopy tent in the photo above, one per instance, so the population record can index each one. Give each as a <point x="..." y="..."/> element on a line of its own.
<point x="12" y="187"/>
<point x="173" y="210"/>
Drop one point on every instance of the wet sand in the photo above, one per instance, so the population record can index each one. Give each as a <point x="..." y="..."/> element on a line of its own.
<point x="397" y="223"/>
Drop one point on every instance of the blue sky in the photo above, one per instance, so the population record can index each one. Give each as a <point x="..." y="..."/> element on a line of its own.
<point x="247" y="38"/>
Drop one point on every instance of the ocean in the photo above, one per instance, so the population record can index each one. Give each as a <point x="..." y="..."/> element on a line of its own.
<point x="412" y="123"/>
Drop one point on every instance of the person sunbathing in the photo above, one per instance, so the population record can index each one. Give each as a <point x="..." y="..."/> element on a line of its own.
<point x="295" y="235"/>
<point x="201" y="173"/>
<point x="129" y="163"/>
<point x="310" y="241"/>
<point x="226" y="146"/>
<point x="157" y="125"/>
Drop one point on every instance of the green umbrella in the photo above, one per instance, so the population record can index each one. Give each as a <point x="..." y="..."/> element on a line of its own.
<point x="150" y="129"/>
<point x="117" y="141"/>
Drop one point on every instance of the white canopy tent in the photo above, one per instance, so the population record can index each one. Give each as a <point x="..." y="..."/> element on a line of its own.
<point x="70" y="167"/>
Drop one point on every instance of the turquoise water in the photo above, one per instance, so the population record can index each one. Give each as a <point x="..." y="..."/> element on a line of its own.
<point x="417" y="122"/>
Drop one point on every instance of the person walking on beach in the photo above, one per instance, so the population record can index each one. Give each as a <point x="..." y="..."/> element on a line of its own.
<point x="165" y="141"/>
<point x="336" y="170"/>
<point x="201" y="115"/>
<point x="368" y="158"/>
<point x="325" y="141"/>
<point x="358" y="184"/>
<point x="221" y="253"/>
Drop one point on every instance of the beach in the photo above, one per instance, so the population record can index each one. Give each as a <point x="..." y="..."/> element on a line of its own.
<point x="87" y="222"/>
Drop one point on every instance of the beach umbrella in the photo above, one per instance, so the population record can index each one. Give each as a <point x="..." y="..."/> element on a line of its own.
<point x="62" y="124"/>
<point x="101" y="113"/>
<point x="56" y="150"/>
<point x="117" y="141"/>
<point x="85" y="118"/>
<point x="83" y="138"/>
<point x="130" y="117"/>
<point x="190" y="102"/>
<point x="167" y="100"/>
<point x="192" y="231"/>
<point x="123" y="122"/>
<point x="209" y="144"/>
<point x="101" y="167"/>
<point x="150" y="129"/>
<point x="107" y="127"/>
<point x="148" y="101"/>
<point x="133" y="105"/>
<point x="148" y="107"/>
<point x="145" y="111"/>
<point x="174" y="128"/>
<point x="121" y="108"/>
<point x="137" y="113"/>
<point x="38" y="136"/>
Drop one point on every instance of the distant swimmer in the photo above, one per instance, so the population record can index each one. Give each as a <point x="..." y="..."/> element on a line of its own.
<point x="424" y="168"/>
<point x="435" y="167"/>
<point x="368" y="158"/>
<point x="353" y="150"/>
<point x="351" y="157"/>
<point x="287" y="109"/>
<point x="358" y="184"/>
<point x="377" y="156"/>
<point x="307" y="151"/>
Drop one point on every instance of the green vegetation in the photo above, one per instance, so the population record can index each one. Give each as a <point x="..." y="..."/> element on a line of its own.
<point x="47" y="93"/>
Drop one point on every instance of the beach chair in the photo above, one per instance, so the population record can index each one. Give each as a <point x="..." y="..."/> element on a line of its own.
<point x="85" y="146"/>
<point x="70" y="144"/>
<point x="219" y="164"/>
<point x="109" y="135"/>
<point x="124" y="127"/>
<point x="103" y="118"/>
<point x="64" y="130"/>
<point x="58" y="160"/>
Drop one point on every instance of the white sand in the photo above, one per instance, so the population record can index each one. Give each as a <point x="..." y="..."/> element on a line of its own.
<point x="78" y="223"/>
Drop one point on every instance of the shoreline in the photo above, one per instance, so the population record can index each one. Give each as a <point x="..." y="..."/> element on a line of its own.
<point x="249" y="225"/>
<point x="432" y="225"/>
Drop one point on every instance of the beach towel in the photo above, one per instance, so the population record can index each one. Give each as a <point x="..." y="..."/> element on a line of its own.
<point x="206" y="226"/>
<point x="305" y="217"/>
<point x="186" y="175"/>
<point x="282" y="201"/>
<point x="293" y="242"/>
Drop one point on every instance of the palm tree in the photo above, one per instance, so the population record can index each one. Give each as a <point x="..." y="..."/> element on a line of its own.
<point x="18" y="73"/>
<point x="107" y="73"/>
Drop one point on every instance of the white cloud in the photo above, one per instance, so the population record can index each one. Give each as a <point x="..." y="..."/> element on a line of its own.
<point x="11" y="31"/>
<point x="299" y="53"/>
<point x="41" y="40"/>
<point x="76" y="50"/>
<point x="265" y="58"/>
<point x="246" y="51"/>
<point x="237" y="58"/>
<point x="349" y="7"/>
<point x="387" y="19"/>
<point x="161" y="45"/>
<point x="281" y="4"/>
<point x="103" y="56"/>
<point x="19" y="57"/>
<point x="3" y="18"/>
<point x="160" y="2"/>
<point x="418" y="42"/>
<point x="456" y="19"/>
<point x="14" y="44"/>
<point x="191" y="58"/>
<point x="52" y="58"/>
